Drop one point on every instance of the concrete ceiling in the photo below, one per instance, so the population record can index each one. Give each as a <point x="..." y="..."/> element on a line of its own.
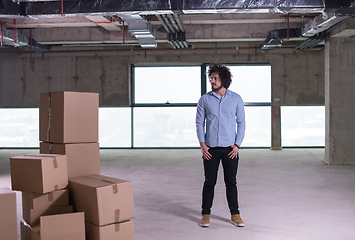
<point x="220" y="27"/>
<point x="235" y="29"/>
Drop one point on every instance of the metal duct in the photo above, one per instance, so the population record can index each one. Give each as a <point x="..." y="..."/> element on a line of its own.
<point x="21" y="41"/>
<point x="322" y="23"/>
<point x="311" y="42"/>
<point x="141" y="29"/>
<point x="275" y="38"/>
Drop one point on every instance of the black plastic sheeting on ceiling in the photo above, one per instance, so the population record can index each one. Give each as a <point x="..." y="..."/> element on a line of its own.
<point x="100" y="7"/>
<point x="97" y="6"/>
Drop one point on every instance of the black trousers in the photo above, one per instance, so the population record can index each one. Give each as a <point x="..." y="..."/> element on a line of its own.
<point x="230" y="167"/>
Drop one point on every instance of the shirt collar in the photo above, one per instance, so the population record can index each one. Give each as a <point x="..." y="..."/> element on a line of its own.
<point x="214" y="94"/>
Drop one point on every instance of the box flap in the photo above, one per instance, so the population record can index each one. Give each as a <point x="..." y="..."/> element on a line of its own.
<point x="107" y="179"/>
<point x="36" y="156"/>
<point x="88" y="181"/>
<point x="69" y="226"/>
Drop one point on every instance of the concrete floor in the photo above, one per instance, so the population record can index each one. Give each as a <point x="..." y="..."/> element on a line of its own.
<point x="288" y="194"/>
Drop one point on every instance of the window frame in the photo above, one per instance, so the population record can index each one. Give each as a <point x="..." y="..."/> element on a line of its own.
<point x="204" y="80"/>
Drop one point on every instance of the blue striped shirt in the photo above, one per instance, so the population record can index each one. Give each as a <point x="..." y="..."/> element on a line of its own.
<point x="224" y="119"/>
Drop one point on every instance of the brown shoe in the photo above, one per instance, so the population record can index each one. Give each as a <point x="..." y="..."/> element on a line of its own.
<point x="237" y="221"/>
<point x="205" y="220"/>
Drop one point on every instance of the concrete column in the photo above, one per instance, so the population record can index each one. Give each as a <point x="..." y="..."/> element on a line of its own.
<point x="275" y="127"/>
<point x="340" y="100"/>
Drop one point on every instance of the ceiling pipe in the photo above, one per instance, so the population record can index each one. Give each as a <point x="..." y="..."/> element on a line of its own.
<point x="172" y="29"/>
<point x="30" y="43"/>
<point x="172" y="20"/>
<point x="177" y="18"/>
<point x="123" y="37"/>
<point x="141" y="49"/>
<point x="14" y="39"/>
<point x="104" y="22"/>
<point x="172" y="33"/>
<point x="181" y="27"/>
<point x="2" y="31"/>
<point x="166" y="28"/>
<point x="288" y="26"/>
<point x="176" y="30"/>
<point x="163" y="22"/>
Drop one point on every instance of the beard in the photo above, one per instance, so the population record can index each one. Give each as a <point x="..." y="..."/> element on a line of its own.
<point x="215" y="88"/>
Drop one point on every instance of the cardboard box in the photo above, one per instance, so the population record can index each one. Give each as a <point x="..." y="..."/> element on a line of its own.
<point x="39" y="173"/>
<point x="69" y="226"/>
<point x="68" y="117"/>
<point x="8" y="214"/>
<point x="35" y="205"/>
<point x="105" y="200"/>
<point x="83" y="158"/>
<point x="32" y="217"/>
<point x="116" y="231"/>
<point x="40" y="201"/>
<point x="28" y="232"/>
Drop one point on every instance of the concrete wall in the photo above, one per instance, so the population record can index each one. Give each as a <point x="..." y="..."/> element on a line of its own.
<point x="22" y="78"/>
<point x="340" y="100"/>
<point x="297" y="77"/>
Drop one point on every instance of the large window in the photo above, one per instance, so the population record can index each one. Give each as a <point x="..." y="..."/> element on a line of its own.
<point x="164" y="127"/>
<point x="19" y="127"/>
<point x="115" y="127"/>
<point x="164" y="105"/>
<point x="303" y="126"/>
<point x="253" y="84"/>
<point x="165" y="101"/>
<point x="164" y="85"/>
<point x="163" y="109"/>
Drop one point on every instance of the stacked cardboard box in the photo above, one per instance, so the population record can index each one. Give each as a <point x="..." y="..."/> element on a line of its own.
<point x="70" y="153"/>
<point x="42" y="178"/>
<point x="56" y="227"/>
<point x="35" y="205"/>
<point x="109" y="211"/>
<point x="8" y="216"/>
<point x="69" y="126"/>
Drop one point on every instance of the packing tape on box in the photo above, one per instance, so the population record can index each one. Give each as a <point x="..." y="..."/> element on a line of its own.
<point x="56" y="187"/>
<point x="115" y="188"/>
<point x="117" y="215"/>
<point x="55" y="162"/>
<point x="49" y="117"/>
<point x="114" y="185"/>
<point x="50" y="197"/>
<point x="117" y="227"/>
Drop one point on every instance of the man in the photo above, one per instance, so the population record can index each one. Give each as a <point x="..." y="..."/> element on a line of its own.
<point x="220" y="110"/>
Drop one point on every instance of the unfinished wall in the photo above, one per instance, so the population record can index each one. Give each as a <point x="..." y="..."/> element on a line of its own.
<point x="340" y="100"/>
<point x="22" y="78"/>
<point x="297" y="77"/>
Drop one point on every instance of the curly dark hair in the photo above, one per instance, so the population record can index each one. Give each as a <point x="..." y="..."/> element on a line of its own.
<point x="223" y="72"/>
